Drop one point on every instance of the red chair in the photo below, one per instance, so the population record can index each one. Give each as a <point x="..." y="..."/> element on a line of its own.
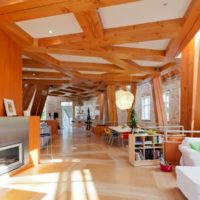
<point x="124" y="136"/>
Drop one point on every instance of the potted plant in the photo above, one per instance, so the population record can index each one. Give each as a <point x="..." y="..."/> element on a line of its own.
<point x="88" y="123"/>
<point x="133" y="120"/>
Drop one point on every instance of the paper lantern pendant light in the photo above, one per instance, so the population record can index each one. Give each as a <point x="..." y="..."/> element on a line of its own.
<point x="124" y="99"/>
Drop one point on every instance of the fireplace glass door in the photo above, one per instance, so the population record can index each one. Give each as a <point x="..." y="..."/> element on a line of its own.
<point x="11" y="157"/>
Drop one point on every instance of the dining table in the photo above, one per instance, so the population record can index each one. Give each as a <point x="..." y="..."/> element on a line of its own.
<point x="120" y="129"/>
<point x="122" y="133"/>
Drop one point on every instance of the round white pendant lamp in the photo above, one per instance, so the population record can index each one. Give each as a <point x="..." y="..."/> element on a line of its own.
<point x="124" y="99"/>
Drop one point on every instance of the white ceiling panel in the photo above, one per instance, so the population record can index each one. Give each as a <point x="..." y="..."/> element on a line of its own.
<point x="155" y="44"/>
<point x="92" y="72"/>
<point x="142" y="12"/>
<point x="51" y="26"/>
<point x="40" y="70"/>
<point x="84" y="59"/>
<point x="149" y="63"/>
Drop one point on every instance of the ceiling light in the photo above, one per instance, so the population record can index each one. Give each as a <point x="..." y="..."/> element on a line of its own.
<point x="34" y="74"/>
<point x="50" y="31"/>
<point x="124" y="99"/>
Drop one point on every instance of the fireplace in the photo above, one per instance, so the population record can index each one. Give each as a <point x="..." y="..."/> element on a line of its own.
<point x="11" y="157"/>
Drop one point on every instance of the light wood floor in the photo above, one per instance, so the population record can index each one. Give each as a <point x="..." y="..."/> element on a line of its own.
<point x="85" y="168"/>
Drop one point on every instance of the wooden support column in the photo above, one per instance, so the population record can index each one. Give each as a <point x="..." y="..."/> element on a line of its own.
<point x="100" y="102"/>
<point x="39" y="100"/>
<point x="187" y="85"/>
<point x="105" y="107"/>
<point x="190" y="86"/>
<point x="159" y="107"/>
<point x="112" y="110"/>
<point x="28" y="95"/>
<point x="196" y="124"/>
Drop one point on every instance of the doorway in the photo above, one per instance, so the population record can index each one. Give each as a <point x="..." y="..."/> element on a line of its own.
<point x="67" y="114"/>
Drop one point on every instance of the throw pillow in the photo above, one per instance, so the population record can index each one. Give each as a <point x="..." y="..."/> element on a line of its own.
<point x="195" y="146"/>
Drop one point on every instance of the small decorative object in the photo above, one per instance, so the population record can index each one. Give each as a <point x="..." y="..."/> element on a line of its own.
<point x="10" y="107"/>
<point x="88" y="123"/>
<point x="133" y="120"/>
<point x="165" y="166"/>
<point x="124" y="99"/>
<point x="151" y="131"/>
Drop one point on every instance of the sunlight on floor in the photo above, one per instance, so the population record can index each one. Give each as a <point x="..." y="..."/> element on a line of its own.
<point x="83" y="186"/>
<point x="78" y="181"/>
<point x="44" y="183"/>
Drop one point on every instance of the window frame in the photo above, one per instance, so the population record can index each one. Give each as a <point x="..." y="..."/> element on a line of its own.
<point x="167" y="103"/>
<point x="143" y="108"/>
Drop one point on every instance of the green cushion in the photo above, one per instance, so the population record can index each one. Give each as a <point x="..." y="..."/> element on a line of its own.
<point x="150" y="131"/>
<point x="195" y="146"/>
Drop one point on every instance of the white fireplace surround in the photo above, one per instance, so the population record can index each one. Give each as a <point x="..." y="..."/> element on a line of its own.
<point x="11" y="166"/>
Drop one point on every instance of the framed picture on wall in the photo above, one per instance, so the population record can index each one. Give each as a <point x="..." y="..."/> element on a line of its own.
<point x="10" y="107"/>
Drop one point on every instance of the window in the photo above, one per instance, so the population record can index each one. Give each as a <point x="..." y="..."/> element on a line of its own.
<point x="44" y="113"/>
<point x="146" y="106"/>
<point x="166" y="103"/>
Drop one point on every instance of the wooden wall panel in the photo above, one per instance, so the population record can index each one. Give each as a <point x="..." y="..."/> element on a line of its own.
<point x="34" y="140"/>
<point x="10" y="73"/>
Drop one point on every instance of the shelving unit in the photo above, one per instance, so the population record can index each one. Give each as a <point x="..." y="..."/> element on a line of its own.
<point x="145" y="149"/>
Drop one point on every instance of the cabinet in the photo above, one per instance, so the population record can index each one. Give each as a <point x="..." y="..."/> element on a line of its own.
<point x="145" y="149"/>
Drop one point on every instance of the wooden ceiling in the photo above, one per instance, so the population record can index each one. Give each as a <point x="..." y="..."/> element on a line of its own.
<point x="106" y="59"/>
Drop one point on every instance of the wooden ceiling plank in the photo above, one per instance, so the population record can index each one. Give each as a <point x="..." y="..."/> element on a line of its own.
<point x="191" y="25"/>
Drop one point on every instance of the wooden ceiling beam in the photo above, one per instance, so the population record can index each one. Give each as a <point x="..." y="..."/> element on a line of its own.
<point x="31" y="9"/>
<point x="30" y="63"/>
<point x="51" y="63"/>
<point x="46" y="82"/>
<point x="77" y="66"/>
<point x="33" y="74"/>
<point x="191" y="25"/>
<point x="127" y="34"/>
<point x="136" y="53"/>
<point x="91" y="24"/>
<point x="90" y="66"/>
<point x="142" y="32"/>
<point x="121" y="52"/>
<point x="17" y="34"/>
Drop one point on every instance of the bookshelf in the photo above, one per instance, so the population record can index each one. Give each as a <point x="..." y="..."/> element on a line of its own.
<point x="145" y="149"/>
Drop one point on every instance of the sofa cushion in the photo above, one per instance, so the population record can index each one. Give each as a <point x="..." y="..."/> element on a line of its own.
<point x="189" y="140"/>
<point x="195" y="146"/>
<point x="188" y="181"/>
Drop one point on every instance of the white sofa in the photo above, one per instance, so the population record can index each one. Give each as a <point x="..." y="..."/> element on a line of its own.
<point x="188" y="175"/>
<point x="188" y="181"/>
<point x="189" y="156"/>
